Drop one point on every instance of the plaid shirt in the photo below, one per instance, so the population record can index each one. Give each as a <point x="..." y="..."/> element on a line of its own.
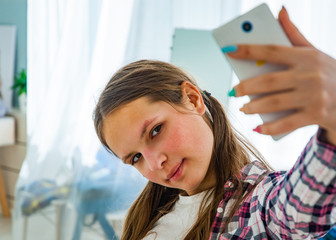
<point x="284" y="205"/>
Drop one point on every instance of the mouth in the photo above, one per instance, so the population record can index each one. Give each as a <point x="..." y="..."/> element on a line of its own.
<point x="176" y="172"/>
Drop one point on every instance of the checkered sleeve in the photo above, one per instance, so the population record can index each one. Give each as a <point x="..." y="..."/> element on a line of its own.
<point x="298" y="205"/>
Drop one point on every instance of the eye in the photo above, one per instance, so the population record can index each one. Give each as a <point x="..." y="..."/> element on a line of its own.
<point x="136" y="158"/>
<point x="156" y="130"/>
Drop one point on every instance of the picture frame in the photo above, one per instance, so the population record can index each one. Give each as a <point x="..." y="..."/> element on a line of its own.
<point x="7" y="62"/>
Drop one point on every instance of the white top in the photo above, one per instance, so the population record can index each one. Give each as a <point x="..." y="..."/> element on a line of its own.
<point x="177" y="223"/>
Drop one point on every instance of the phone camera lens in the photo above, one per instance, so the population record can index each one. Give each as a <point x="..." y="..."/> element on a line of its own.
<point x="247" y="26"/>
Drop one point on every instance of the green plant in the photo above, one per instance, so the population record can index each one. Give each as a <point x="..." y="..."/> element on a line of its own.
<point x="20" y="83"/>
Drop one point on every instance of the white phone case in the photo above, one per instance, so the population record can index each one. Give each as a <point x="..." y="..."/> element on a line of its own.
<point x="258" y="26"/>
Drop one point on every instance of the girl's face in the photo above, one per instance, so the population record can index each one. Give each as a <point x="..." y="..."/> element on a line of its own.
<point x="170" y="146"/>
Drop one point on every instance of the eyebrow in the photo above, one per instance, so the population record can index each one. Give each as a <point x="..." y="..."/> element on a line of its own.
<point x="145" y="126"/>
<point x="143" y="131"/>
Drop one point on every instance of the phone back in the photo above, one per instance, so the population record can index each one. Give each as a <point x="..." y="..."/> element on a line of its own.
<point x="257" y="26"/>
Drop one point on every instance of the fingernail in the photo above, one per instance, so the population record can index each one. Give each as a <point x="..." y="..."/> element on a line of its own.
<point x="257" y="129"/>
<point x="232" y="93"/>
<point x="283" y="8"/>
<point x="229" y="49"/>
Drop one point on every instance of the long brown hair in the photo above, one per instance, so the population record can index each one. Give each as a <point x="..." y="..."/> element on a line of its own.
<point x="162" y="81"/>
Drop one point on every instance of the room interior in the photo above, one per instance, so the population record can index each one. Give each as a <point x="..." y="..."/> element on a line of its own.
<point x="48" y="148"/>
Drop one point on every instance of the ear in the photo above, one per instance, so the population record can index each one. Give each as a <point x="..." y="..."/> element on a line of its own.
<point x="192" y="98"/>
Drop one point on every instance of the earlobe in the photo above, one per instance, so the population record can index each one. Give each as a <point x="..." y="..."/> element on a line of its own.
<point x="191" y="96"/>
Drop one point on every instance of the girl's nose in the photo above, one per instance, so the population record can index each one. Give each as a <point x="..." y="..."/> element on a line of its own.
<point x="154" y="158"/>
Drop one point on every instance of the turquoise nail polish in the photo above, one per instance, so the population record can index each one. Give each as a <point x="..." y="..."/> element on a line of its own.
<point x="232" y="93"/>
<point x="229" y="49"/>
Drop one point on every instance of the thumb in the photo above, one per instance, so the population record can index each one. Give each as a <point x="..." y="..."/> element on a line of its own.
<point x="294" y="35"/>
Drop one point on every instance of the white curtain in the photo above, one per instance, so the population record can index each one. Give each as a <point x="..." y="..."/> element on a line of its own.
<point x="74" y="46"/>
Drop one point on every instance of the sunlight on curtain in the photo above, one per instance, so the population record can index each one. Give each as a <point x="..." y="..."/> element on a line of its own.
<point x="153" y="24"/>
<point x="58" y="63"/>
<point x="107" y="57"/>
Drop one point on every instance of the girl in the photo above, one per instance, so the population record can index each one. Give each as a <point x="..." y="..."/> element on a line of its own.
<point x="203" y="182"/>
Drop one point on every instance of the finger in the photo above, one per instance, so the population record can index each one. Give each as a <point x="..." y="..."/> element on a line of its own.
<point x="267" y="83"/>
<point x="269" y="53"/>
<point x="292" y="32"/>
<point x="273" y="103"/>
<point x="286" y="124"/>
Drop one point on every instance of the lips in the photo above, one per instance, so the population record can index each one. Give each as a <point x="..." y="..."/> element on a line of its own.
<point x="175" y="171"/>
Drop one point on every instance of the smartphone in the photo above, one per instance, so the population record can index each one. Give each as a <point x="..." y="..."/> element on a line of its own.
<point x="258" y="26"/>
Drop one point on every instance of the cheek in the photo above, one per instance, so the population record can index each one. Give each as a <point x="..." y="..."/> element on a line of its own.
<point x="173" y="139"/>
<point x="177" y="140"/>
<point x="190" y="135"/>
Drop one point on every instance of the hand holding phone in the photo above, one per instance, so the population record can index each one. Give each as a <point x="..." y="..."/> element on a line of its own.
<point x="257" y="26"/>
